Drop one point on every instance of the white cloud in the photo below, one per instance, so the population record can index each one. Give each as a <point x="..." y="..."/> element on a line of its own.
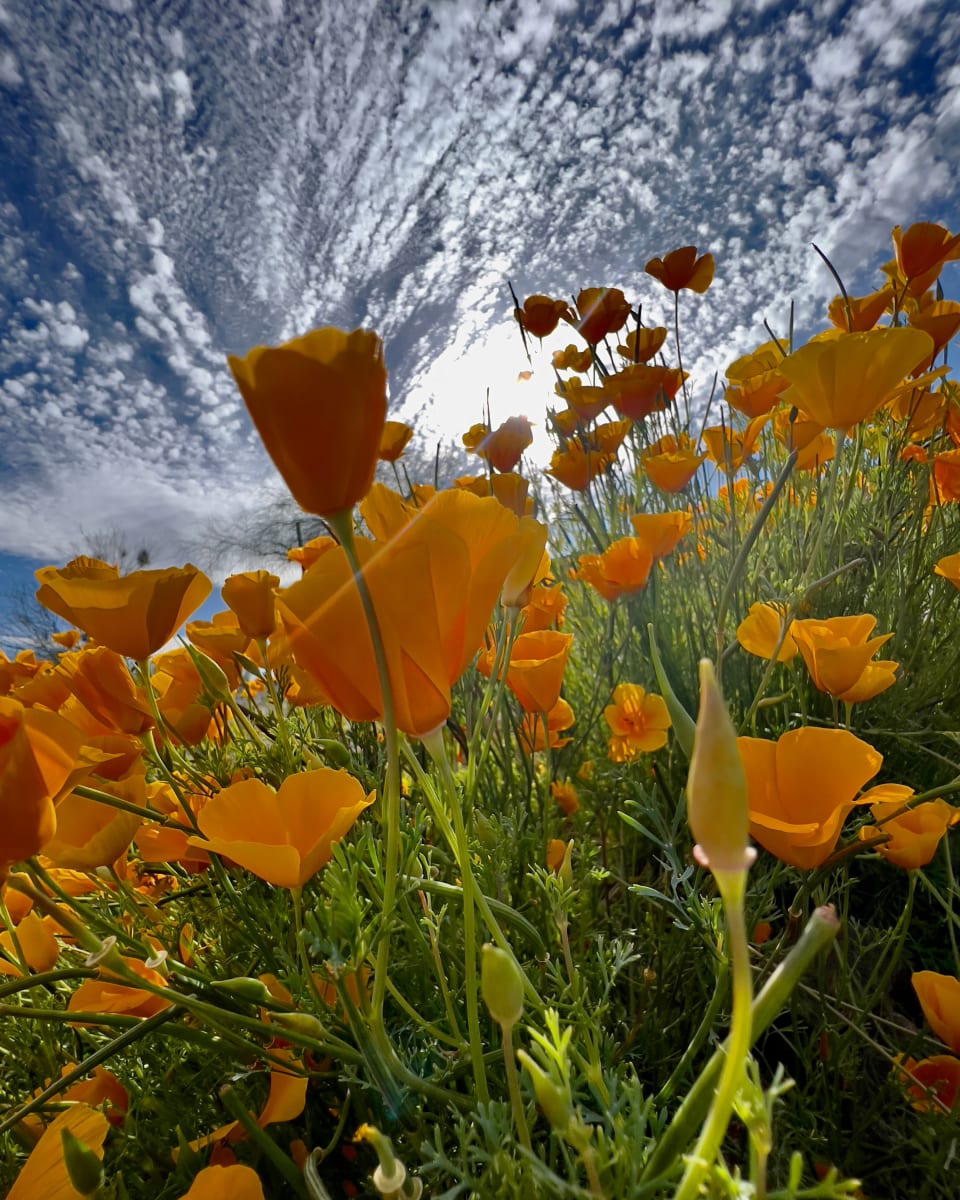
<point x="9" y="70"/>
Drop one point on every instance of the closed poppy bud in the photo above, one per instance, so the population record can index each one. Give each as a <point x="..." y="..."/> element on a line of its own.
<point x="554" y="1099"/>
<point x="319" y="403"/>
<point x="84" y="1168"/>
<point x="251" y="597"/>
<point x="501" y="985"/>
<point x="304" y="1024"/>
<point x="717" y="786"/>
<point x="47" y="1172"/>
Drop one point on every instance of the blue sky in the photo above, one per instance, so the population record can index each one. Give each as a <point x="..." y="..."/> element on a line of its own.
<point x="180" y="181"/>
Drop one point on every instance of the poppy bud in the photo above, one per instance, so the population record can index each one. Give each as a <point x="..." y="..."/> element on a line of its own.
<point x="501" y="985"/>
<point x="84" y="1168"/>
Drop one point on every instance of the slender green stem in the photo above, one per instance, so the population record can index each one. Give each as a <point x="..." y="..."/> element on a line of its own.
<point x="513" y="1088"/>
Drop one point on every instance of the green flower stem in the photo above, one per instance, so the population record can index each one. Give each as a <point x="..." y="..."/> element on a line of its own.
<point x="283" y="736"/>
<point x="437" y="751"/>
<point x="284" y="1165"/>
<point x="342" y="525"/>
<point x="131" y="1035"/>
<point x="513" y="1088"/>
<point x="736" y="571"/>
<point x="820" y="930"/>
<point x="148" y="814"/>
<point x="485" y="724"/>
<point x="44" y="979"/>
<point x="732" y="885"/>
<point x="826" y="516"/>
<point x="488" y="908"/>
<point x="691" y="1052"/>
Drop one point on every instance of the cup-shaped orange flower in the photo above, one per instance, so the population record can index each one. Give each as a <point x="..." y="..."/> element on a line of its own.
<point x="759" y="632"/>
<point x="544" y="608"/>
<point x="949" y="568"/>
<point x="939" y="997"/>
<point x="434" y="586"/>
<point x="801" y="788"/>
<point x="638" y="723"/>
<point x="639" y="389"/>
<point x="602" y="311"/>
<point x="235" y="1181"/>
<point x="661" y="531"/>
<point x="111" y="994"/>
<point x="857" y="314"/>
<point x="135" y="614"/>
<point x="576" y="466"/>
<point x="671" y="464"/>
<point x="540" y="315"/>
<point x="251" y="597"/>
<point x="572" y="358"/>
<point x="729" y="447"/>
<point x="91" y="834"/>
<point x="586" y="402"/>
<point x="939" y="1074"/>
<point x="504" y="447"/>
<point x="840" y="381"/>
<point x="98" y="678"/>
<point x="838" y="650"/>
<point x="683" y="269"/>
<point x="535" y="671"/>
<point x="319" y="403"/>
<point x="922" y="250"/>
<point x="756" y="381"/>
<point x="559" y="718"/>
<point x="640" y="345"/>
<point x="623" y="568"/>
<point x="42" y="757"/>
<point x="282" y="836"/>
<point x="913" y="835"/>
<point x="394" y="439"/>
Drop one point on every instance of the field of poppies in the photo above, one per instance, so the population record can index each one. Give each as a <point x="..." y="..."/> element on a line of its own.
<point x="557" y="834"/>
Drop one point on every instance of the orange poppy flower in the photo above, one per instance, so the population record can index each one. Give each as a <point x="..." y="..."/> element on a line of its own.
<point x="729" y="447"/>
<point x="602" y="311"/>
<point x="610" y="436"/>
<point x="921" y="252"/>
<point x="220" y="639"/>
<point x="576" y="466"/>
<point x="566" y="797"/>
<point x="571" y="358"/>
<point x="623" y="568"/>
<point x="756" y="381"/>
<point x="14" y="673"/>
<point x="540" y="315"/>
<point x="559" y="718"/>
<point x="860" y="313"/>
<point x="939" y="997"/>
<point x="939" y="1075"/>
<point x="682" y="269"/>
<point x="671" y="464"/>
<point x="759" y="632"/>
<point x="504" y="447"/>
<point x="108" y="995"/>
<point x="801" y="788"/>
<point x="433" y="585"/>
<point x="44" y="1174"/>
<point x="914" y="835"/>
<point x="42" y="758"/>
<point x="474" y="436"/>
<point x="640" y="345"/>
<point x="639" y="390"/>
<point x="586" y="402"/>
<point x="135" y="614"/>
<point x="99" y="680"/>
<point x="36" y="941"/>
<point x="394" y="439"/>
<point x="282" y="836"/>
<point x="178" y="687"/>
<point x="91" y="834"/>
<point x="840" y="381"/>
<point x="535" y="670"/>
<point x="307" y="554"/>
<point x="544" y="608"/>
<point x="531" y="564"/>
<point x="949" y="568"/>
<point x="945" y="478"/>
<point x="638" y="723"/>
<point x="837" y="650"/>
<point x="319" y="403"/>
<point x="661" y="531"/>
<point x="232" y="1182"/>
<point x="813" y="446"/>
<point x="251" y="596"/>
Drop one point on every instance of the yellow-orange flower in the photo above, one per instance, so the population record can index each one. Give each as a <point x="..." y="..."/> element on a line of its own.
<point x="535" y="670"/>
<point x="949" y="568"/>
<point x="914" y="835"/>
<point x="682" y="269"/>
<point x="801" y="788"/>
<point x="544" y="608"/>
<point x="759" y="632"/>
<point x="638" y="390"/>
<point x="860" y="313"/>
<point x="945" y="478"/>
<point x="661" y="531"/>
<point x="504" y="447"/>
<point x="586" y="402"/>
<point x="433" y="585"/>
<point x="840" y="381"/>
<point x="671" y="464"/>
<point x="566" y="796"/>
<point x="638" y="723"/>
<point x="728" y="447"/>
<point x="623" y="568"/>
<point x="571" y="358"/>
<point x="838" y="650"/>
<point x="756" y="381"/>
<point x="42" y="757"/>
<point x="921" y="252"/>
<point x="319" y="403"/>
<point x="283" y="836"/>
<point x="135" y="614"/>
<point x="939" y="1074"/>
<point x="576" y="467"/>
<point x="939" y="997"/>
<point x="640" y="345"/>
<point x="99" y="680"/>
<point x="394" y="439"/>
<point x="559" y="718"/>
<point x="108" y="994"/>
<point x="251" y="596"/>
<point x="602" y="311"/>
<point x="541" y="315"/>
<point x="232" y="1182"/>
